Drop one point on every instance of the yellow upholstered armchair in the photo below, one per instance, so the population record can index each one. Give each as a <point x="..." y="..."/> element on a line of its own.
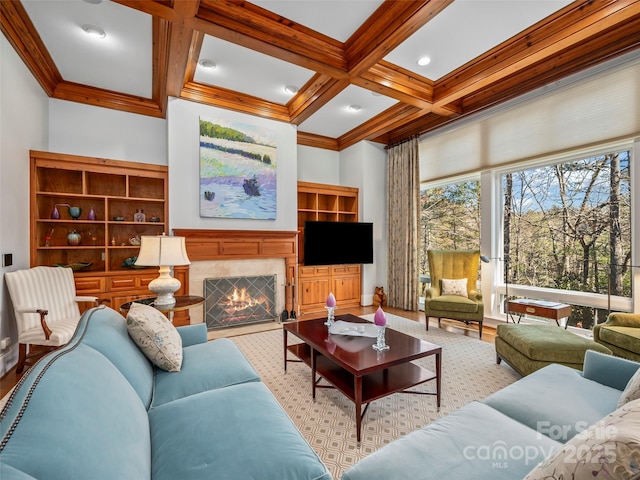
<point x="453" y="294"/>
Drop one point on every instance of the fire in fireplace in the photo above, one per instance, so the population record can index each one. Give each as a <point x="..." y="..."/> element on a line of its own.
<point x="235" y="301"/>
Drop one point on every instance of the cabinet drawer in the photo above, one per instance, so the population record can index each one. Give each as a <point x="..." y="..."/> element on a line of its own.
<point x="313" y="271"/>
<point x="339" y="269"/>
<point x="118" y="283"/>
<point x="89" y="285"/>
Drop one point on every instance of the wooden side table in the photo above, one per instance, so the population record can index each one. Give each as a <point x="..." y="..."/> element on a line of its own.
<point x="183" y="302"/>
<point x="539" y="308"/>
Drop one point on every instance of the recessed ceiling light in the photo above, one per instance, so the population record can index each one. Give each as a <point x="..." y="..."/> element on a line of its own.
<point x="94" y="31"/>
<point x="355" y="108"/>
<point x="208" y="64"/>
<point x="93" y="2"/>
<point x="424" y="61"/>
<point x="291" y="89"/>
<point x="376" y="94"/>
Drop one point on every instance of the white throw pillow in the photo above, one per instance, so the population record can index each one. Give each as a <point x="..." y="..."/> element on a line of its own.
<point x="609" y="448"/>
<point x="156" y="336"/>
<point x="454" y="287"/>
<point x="632" y="390"/>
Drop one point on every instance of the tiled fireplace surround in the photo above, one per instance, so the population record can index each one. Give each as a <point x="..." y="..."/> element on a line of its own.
<point x="232" y="253"/>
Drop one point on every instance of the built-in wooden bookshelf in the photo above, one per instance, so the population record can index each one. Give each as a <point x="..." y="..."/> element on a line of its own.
<point x="110" y="193"/>
<point x="332" y="203"/>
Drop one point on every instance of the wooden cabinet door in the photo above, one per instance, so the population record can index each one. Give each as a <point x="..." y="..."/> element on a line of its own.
<point x="313" y="291"/>
<point x="347" y="289"/>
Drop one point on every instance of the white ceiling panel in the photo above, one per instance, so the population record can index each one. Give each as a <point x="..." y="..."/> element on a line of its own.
<point x="121" y="61"/>
<point x="335" y="118"/>
<point x="337" y="19"/>
<point x="465" y="30"/>
<point x="247" y="71"/>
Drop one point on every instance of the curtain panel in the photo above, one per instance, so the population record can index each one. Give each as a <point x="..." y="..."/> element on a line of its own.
<point x="402" y="223"/>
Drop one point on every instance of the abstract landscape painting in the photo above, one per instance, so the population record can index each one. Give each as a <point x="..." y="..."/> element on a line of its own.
<point x="237" y="170"/>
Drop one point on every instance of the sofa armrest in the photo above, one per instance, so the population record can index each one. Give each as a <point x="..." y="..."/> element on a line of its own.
<point x="475" y="295"/>
<point x="431" y="293"/>
<point x="608" y="370"/>
<point x="193" y="334"/>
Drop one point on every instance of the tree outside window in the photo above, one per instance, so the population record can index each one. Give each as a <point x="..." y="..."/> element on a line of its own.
<point x="449" y="219"/>
<point x="568" y="226"/>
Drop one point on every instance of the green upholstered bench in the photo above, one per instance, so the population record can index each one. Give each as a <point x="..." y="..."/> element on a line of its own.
<point x="528" y="348"/>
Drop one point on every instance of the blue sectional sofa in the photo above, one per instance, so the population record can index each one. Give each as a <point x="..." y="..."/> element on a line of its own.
<point x="510" y="432"/>
<point x="97" y="409"/>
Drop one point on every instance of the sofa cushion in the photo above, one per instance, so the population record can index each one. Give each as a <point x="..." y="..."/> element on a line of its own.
<point x="475" y="441"/>
<point x="156" y="336"/>
<point x="631" y="391"/>
<point x="535" y="402"/>
<point x="105" y="330"/>
<point x="454" y="287"/>
<point x="205" y="366"/>
<point x="81" y="419"/>
<point x="627" y="338"/>
<point x="609" y="448"/>
<point x="232" y="433"/>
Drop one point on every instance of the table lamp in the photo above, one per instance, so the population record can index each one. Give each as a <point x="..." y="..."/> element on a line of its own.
<point x="164" y="252"/>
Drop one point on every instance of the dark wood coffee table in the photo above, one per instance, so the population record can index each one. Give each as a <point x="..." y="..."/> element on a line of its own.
<point x="361" y="373"/>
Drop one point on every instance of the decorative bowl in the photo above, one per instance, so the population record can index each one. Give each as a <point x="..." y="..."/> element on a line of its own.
<point x="74" y="266"/>
<point x="118" y="219"/>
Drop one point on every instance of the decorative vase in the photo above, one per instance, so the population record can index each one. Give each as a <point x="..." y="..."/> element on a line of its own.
<point x="55" y="213"/>
<point x="74" y="212"/>
<point x="74" y="238"/>
<point x="92" y="214"/>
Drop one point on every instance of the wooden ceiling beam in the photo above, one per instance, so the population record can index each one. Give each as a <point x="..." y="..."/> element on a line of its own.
<point x="393" y="81"/>
<point x="385" y="121"/>
<point x="161" y="38"/>
<point x="317" y="141"/>
<point x="570" y="27"/>
<point x="23" y="37"/>
<point x="315" y="94"/>
<point x="390" y="25"/>
<point x="252" y="27"/>
<point x="223" y="98"/>
<point x="74" y="92"/>
<point x="157" y="9"/>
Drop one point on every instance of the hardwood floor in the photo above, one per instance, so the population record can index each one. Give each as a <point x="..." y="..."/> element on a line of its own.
<point x="8" y="381"/>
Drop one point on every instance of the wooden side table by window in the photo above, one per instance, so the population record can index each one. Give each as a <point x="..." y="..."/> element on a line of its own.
<point x="539" y="308"/>
<point x="183" y="302"/>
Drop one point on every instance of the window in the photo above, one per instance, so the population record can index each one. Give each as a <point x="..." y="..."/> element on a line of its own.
<point x="449" y="219"/>
<point x="568" y="226"/>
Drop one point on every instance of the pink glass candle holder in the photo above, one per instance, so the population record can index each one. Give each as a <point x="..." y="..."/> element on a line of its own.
<point x="380" y="321"/>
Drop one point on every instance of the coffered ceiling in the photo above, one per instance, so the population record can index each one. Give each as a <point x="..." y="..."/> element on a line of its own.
<point x="337" y="54"/>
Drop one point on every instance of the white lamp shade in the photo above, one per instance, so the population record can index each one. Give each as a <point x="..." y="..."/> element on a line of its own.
<point x="161" y="250"/>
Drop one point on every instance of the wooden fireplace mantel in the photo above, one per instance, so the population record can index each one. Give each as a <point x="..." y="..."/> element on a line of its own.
<point x="205" y="245"/>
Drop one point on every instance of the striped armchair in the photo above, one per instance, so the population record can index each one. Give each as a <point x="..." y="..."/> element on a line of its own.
<point x="45" y="304"/>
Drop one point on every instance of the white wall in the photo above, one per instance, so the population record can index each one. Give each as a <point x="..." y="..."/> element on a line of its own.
<point x="183" y="148"/>
<point x="364" y="165"/>
<point x="79" y="129"/>
<point x="318" y="165"/>
<point x="23" y="127"/>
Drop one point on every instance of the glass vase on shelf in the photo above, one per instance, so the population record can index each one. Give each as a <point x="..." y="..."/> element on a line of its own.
<point x="139" y="216"/>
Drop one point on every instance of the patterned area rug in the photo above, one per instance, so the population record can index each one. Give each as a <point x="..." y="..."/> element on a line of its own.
<point x="469" y="372"/>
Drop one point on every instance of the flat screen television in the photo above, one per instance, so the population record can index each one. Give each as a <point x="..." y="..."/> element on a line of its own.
<point x="336" y="243"/>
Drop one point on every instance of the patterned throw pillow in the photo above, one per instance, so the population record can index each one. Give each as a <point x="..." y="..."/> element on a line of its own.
<point x="609" y="448"/>
<point x="156" y="336"/>
<point x="632" y="390"/>
<point x="454" y="287"/>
